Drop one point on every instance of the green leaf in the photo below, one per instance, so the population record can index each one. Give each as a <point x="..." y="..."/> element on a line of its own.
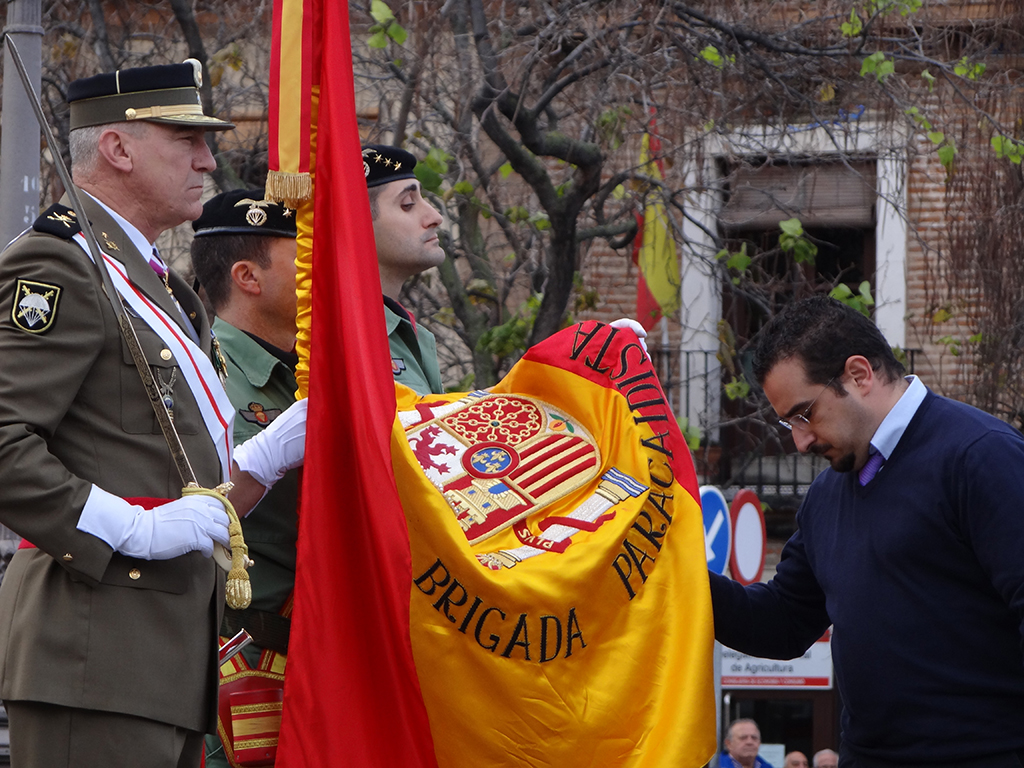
<point x="619" y="192"/>
<point x="853" y="27"/>
<point x="792" y="227"/>
<point x="516" y="214"/>
<point x="737" y="389"/>
<point x="437" y="159"/>
<point x="505" y="170"/>
<point x="936" y="137"/>
<point x="429" y="178"/>
<point x="870" y="63"/>
<point x="711" y="55"/>
<point x="804" y="251"/>
<point x="381" y="12"/>
<point x="378" y="39"/>
<point x="397" y="32"/>
<point x="929" y="78"/>
<point x="691" y="432"/>
<point x="463" y="188"/>
<point x="739" y="261"/>
<point x="946" y="154"/>
<point x="540" y="221"/>
<point x="865" y="293"/>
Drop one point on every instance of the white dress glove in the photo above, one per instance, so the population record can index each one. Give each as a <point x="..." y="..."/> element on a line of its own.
<point x="635" y="327"/>
<point x="184" y="525"/>
<point x="280" y="447"/>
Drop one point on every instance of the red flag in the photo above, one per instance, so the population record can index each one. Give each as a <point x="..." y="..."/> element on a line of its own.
<point x="351" y="691"/>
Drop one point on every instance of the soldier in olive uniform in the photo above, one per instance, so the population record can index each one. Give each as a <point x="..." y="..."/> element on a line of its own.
<point x="243" y="255"/>
<point x="108" y="618"/>
<point x="405" y="230"/>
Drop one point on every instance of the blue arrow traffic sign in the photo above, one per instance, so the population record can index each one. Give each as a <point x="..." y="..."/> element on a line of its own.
<point x="717" y="528"/>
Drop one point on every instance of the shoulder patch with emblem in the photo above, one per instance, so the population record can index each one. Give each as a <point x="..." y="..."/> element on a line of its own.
<point x="35" y="305"/>
<point x="259" y="414"/>
<point x="397" y="366"/>
<point x="58" y="220"/>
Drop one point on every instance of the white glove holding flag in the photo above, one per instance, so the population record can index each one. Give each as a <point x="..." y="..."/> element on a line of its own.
<point x="635" y="327"/>
<point x="189" y="524"/>
<point x="280" y="447"/>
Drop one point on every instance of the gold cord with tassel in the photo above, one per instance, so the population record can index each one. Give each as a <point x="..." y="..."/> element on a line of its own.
<point x="238" y="592"/>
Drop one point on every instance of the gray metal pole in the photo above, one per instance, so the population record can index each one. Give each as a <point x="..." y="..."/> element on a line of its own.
<point x="19" y="140"/>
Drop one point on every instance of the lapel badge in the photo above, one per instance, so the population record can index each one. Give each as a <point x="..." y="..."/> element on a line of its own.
<point x="109" y="243"/>
<point x="397" y="366"/>
<point x="35" y="306"/>
<point x="255" y="216"/>
<point x="259" y="414"/>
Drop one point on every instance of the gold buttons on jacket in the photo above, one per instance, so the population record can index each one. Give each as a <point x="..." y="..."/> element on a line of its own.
<point x="165" y="354"/>
<point x="69" y="557"/>
<point x="134" y="574"/>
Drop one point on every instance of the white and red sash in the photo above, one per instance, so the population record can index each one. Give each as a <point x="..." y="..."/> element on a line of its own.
<point x="214" y="406"/>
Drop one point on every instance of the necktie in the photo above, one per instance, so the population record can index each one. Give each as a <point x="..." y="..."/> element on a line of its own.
<point x="870" y="469"/>
<point x="161" y="270"/>
<point x="158" y="265"/>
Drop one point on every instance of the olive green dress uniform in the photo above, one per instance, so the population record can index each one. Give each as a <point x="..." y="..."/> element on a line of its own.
<point x="413" y="354"/>
<point x="80" y="625"/>
<point x="259" y="382"/>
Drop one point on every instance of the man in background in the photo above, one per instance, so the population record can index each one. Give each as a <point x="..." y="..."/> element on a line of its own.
<point x="826" y="758"/>
<point x="742" y="743"/>
<point x="909" y="545"/>
<point x="795" y="760"/>
<point x="243" y="255"/>
<point x="405" y="230"/>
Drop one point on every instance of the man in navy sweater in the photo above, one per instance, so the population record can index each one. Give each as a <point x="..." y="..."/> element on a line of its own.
<point x="911" y="546"/>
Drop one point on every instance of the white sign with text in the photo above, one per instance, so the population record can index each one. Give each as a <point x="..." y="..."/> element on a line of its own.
<point x="813" y="670"/>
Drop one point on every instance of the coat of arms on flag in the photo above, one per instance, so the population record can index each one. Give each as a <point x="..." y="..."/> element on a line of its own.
<point x="499" y="458"/>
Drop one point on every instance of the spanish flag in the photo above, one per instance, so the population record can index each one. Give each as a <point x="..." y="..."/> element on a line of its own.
<point x="506" y="578"/>
<point x="559" y="600"/>
<point x="655" y="251"/>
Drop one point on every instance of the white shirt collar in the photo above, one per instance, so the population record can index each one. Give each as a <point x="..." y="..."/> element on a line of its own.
<point x="896" y="421"/>
<point x="142" y="245"/>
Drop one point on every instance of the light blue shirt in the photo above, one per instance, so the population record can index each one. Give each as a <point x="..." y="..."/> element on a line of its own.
<point x="898" y="419"/>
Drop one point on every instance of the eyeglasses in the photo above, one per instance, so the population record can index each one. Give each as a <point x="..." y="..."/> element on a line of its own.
<point x="802" y="421"/>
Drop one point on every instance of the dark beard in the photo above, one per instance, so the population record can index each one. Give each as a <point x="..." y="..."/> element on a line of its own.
<point x="844" y="463"/>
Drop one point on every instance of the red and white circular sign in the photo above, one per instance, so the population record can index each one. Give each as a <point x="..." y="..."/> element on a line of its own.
<point x="748" y="538"/>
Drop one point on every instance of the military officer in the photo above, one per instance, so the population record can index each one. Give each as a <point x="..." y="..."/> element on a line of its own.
<point x="109" y="611"/>
<point x="405" y="229"/>
<point x="243" y="254"/>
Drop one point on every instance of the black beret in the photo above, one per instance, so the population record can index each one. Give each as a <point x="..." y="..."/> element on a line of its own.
<point x="383" y="164"/>
<point x="244" y="212"/>
<point x="168" y="94"/>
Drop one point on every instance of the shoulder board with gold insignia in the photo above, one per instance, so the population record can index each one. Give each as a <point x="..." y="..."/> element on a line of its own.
<point x="58" y="220"/>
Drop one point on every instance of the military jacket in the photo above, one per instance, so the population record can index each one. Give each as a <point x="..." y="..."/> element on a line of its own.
<point x="260" y="386"/>
<point x="80" y="625"/>
<point x="413" y="354"/>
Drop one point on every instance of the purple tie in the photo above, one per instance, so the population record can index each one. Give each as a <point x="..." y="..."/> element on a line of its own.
<point x="868" y="471"/>
<point x="158" y="265"/>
